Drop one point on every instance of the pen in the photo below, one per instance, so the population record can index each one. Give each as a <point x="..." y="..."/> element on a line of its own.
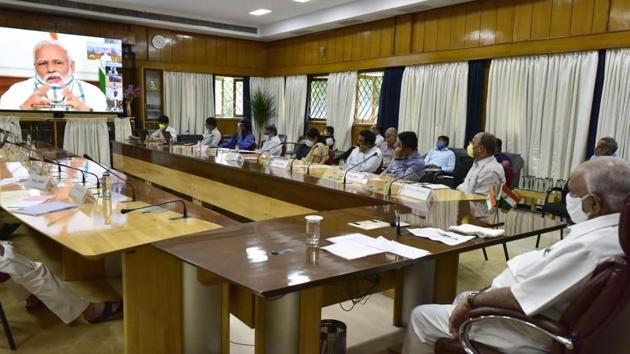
<point x="446" y="234"/>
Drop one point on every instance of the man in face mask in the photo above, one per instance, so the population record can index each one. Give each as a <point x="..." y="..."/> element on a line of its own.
<point x="271" y="141"/>
<point x="485" y="172"/>
<point x="54" y="86"/>
<point x="441" y="158"/>
<point x="542" y="281"/>
<point x="165" y="132"/>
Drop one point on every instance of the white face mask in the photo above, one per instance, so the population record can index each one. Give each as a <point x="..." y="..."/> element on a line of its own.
<point x="575" y="210"/>
<point x="309" y="143"/>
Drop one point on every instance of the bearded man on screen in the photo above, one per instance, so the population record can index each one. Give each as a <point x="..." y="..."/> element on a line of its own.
<point x="54" y="86"/>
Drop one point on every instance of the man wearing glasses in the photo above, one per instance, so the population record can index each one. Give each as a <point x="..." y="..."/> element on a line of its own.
<point x="54" y="86"/>
<point x="486" y="172"/>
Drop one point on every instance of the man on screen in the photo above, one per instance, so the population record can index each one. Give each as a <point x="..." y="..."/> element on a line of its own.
<point x="54" y="86"/>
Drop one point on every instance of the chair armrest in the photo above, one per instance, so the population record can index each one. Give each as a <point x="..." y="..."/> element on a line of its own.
<point x="552" y="189"/>
<point x="548" y="327"/>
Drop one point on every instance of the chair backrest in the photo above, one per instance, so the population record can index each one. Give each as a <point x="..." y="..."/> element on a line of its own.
<point x="331" y="157"/>
<point x="283" y="151"/>
<point x="599" y="317"/>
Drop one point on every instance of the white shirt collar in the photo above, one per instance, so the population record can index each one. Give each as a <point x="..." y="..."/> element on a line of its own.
<point x="485" y="161"/>
<point x="592" y="225"/>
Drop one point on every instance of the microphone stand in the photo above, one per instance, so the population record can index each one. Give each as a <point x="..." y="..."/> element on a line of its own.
<point x="133" y="189"/>
<point x="59" y="164"/>
<point x="185" y="214"/>
<point x="350" y="169"/>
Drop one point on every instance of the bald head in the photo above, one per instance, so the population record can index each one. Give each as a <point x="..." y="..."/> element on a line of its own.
<point x="606" y="180"/>
<point x="391" y="136"/>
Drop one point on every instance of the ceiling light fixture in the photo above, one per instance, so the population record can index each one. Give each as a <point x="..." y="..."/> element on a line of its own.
<point x="301" y="0"/>
<point x="260" y="12"/>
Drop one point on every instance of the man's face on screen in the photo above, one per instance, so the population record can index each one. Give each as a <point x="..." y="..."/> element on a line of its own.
<point x="52" y="65"/>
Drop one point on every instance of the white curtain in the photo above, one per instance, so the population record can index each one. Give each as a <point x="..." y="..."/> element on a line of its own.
<point x="188" y="100"/>
<point x="540" y="106"/>
<point x="433" y="102"/>
<point x="294" y="107"/>
<point x="87" y="136"/>
<point x="11" y="124"/>
<point x="274" y="86"/>
<point x="122" y="129"/>
<point x="340" y="101"/>
<point x="614" y="112"/>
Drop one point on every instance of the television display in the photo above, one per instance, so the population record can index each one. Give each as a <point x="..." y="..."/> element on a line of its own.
<point x="59" y="72"/>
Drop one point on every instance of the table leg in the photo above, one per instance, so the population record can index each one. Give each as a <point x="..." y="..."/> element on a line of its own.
<point x="76" y="267"/>
<point x="446" y="267"/>
<point x="416" y="287"/>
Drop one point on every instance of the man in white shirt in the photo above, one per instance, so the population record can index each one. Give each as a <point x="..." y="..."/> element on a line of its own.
<point x="165" y="131"/>
<point x="54" y="86"/>
<point x="486" y="172"/>
<point x="606" y="147"/>
<point x="212" y="135"/>
<point x="389" y="145"/>
<point x="271" y="141"/>
<point x="367" y="157"/>
<point x="377" y="133"/>
<point x="541" y="281"/>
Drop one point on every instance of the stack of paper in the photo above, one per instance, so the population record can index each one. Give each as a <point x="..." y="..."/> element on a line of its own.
<point x="435" y="234"/>
<point x="373" y="224"/>
<point x="45" y="208"/>
<point x="27" y="202"/>
<point x="435" y="186"/>
<point x="482" y="232"/>
<point x="12" y="180"/>
<point x="355" y="246"/>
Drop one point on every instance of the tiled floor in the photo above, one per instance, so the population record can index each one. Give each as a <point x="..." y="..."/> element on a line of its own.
<point x="369" y="325"/>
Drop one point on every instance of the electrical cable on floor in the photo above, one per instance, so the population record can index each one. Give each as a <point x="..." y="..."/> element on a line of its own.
<point x="361" y="299"/>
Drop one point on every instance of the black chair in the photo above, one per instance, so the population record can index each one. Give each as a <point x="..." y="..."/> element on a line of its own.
<point x="5" y="323"/>
<point x="463" y="163"/>
<point x="556" y="208"/>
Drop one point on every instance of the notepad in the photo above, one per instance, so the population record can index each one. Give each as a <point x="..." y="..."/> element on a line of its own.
<point x="435" y="234"/>
<point x="351" y="250"/>
<point x="353" y="246"/>
<point x="482" y="232"/>
<point x="28" y="201"/>
<point x="45" y="208"/>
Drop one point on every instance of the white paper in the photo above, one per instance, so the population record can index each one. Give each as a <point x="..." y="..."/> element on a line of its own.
<point x="436" y="186"/>
<point x="45" y="208"/>
<point x="482" y="232"/>
<point x="416" y="191"/>
<point x="400" y="249"/>
<point x="370" y="224"/>
<point x="351" y="250"/>
<point x="12" y="180"/>
<point x="435" y="234"/>
<point x="352" y="237"/>
<point x="357" y="177"/>
<point x="22" y="203"/>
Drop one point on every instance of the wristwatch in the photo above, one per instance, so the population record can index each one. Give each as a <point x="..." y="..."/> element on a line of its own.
<point x="470" y="300"/>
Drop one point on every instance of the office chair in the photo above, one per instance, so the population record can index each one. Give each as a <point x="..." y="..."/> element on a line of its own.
<point x="5" y="323"/>
<point x="556" y="208"/>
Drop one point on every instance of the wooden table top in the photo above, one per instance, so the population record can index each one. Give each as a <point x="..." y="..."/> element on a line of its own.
<point x="243" y="253"/>
<point x="98" y="228"/>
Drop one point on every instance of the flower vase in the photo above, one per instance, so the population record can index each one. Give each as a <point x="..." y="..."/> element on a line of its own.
<point x="128" y="109"/>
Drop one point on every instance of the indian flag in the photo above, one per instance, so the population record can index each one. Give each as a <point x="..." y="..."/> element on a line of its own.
<point x="102" y="83"/>
<point x="509" y="199"/>
<point x="491" y="199"/>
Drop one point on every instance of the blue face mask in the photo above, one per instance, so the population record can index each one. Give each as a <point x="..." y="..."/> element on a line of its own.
<point x="439" y="144"/>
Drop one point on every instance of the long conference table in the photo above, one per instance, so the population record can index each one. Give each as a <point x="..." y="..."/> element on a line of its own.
<point x="263" y="272"/>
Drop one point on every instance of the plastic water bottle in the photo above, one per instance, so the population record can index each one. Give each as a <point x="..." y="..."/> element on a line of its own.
<point x="106" y="186"/>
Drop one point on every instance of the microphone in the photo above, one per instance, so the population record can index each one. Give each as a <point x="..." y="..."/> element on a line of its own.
<point x="185" y="215"/>
<point x="56" y="162"/>
<point x="133" y="190"/>
<point x="405" y="175"/>
<point x="350" y="169"/>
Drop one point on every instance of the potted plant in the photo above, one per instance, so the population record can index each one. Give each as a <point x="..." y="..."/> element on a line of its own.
<point x="130" y="94"/>
<point x="263" y="109"/>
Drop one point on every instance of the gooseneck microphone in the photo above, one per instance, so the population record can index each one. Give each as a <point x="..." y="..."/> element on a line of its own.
<point x="133" y="189"/>
<point x="350" y="169"/>
<point x="83" y="172"/>
<point x="405" y="175"/>
<point x="185" y="214"/>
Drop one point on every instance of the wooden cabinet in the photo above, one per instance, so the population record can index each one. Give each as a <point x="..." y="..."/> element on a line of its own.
<point x="153" y="96"/>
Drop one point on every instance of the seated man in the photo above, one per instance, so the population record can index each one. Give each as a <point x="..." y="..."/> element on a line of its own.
<point x="363" y="159"/>
<point x="377" y="133"/>
<point x="166" y="132"/>
<point x="271" y="141"/>
<point x="441" y="157"/>
<point x="605" y="147"/>
<point x="243" y="139"/>
<point x="45" y="287"/>
<point x="389" y="145"/>
<point x="505" y="161"/>
<point x="407" y="163"/>
<point x="486" y="172"/>
<point x="212" y="135"/>
<point x="540" y="281"/>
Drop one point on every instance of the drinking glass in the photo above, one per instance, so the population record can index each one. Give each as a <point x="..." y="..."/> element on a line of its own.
<point x="312" y="229"/>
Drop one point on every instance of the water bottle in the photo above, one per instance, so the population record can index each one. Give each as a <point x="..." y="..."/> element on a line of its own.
<point x="106" y="186"/>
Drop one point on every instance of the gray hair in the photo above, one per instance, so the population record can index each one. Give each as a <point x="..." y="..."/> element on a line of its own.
<point x="609" y="144"/>
<point x="392" y="130"/>
<point x="609" y="178"/>
<point x="49" y="43"/>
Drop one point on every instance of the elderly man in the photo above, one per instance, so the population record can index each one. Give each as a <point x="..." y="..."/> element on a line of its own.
<point x="54" y="86"/>
<point x="367" y="157"/>
<point x="605" y="147"/>
<point x="540" y="281"/>
<point x="407" y="163"/>
<point x="486" y="172"/>
<point x="271" y="141"/>
<point x="389" y="145"/>
<point x="377" y="133"/>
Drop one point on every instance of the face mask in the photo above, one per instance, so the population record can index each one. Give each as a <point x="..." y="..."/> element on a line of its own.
<point x="266" y="137"/>
<point x="574" y="208"/>
<point x="309" y="143"/>
<point x="439" y="144"/>
<point x="470" y="149"/>
<point x="162" y="126"/>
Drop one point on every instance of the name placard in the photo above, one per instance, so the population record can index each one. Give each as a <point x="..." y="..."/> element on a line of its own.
<point x="357" y="177"/>
<point x="39" y="182"/>
<point x="283" y="164"/>
<point x="416" y="191"/>
<point x="232" y="156"/>
<point x="79" y="194"/>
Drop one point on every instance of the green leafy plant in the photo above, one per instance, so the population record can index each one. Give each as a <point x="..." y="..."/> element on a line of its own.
<point x="263" y="109"/>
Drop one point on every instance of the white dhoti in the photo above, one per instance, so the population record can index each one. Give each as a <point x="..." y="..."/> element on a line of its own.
<point x="39" y="281"/>
<point x="428" y="323"/>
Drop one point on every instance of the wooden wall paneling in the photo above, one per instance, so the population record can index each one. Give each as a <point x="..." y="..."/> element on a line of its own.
<point x="199" y="49"/>
<point x="582" y="17"/>
<point x="619" y="15"/>
<point x="365" y="35"/>
<point x="178" y="49"/>
<point x="232" y="52"/>
<point x="561" y="12"/>
<point x="522" y="21"/>
<point x="356" y="44"/>
<point x="505" y="22"/>
<point x="458" y="27"/>
<point x="141" y="44"/>
<point x="37" y="22"/>
<point x="601" y="12"/>
<point x="325" y="42"/>
<point x="347" y="44"/>
<point x="375" y="42"/>
<point x="488" y="23"/>
<point x="541" y="19"/>
<point x="473" y="24"/>
<point x="430" y="31"/>
<point x="444" y="28"/>
<point x="417" y="34"/>
<point x="387" y="37"/>
<point x="338" y="48"/>
<point x="402" y="43"/>
<point x="222" y="51"/>
<point x="242" y="52"/>
<point x="211" y="50"/>
<point x="308" y="51"/>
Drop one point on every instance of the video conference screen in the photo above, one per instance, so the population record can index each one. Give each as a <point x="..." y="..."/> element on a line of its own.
<point x="59" y="72"/>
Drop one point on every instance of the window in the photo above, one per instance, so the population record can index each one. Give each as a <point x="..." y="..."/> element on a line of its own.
<point x="317" y="98"/>
<point x="228" y="96"/>
<point x="368" y="95"/>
